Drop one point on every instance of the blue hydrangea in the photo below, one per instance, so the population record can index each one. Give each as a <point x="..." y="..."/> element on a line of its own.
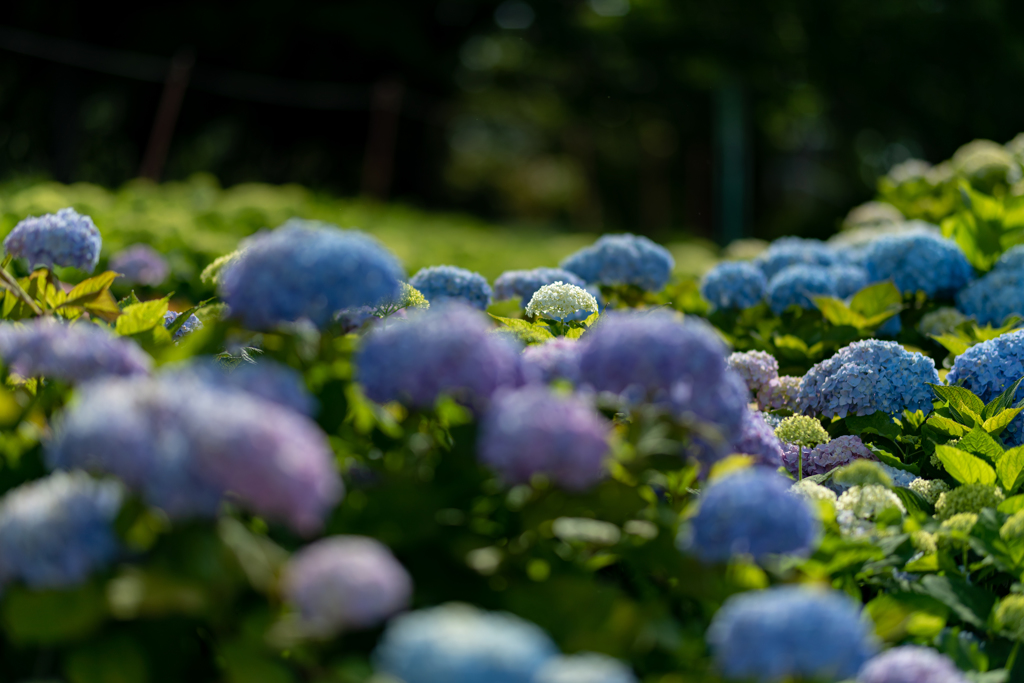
<point x="263" y="379"/>
<point x="788" y="632"/>
<point x="457" y="643"/>
<point x="797" y="286"/>
<point x="623" y="260"/>
<point x="734" y="284"/>
<point x="993" y="297"/>
<point x="919" y="261"/>
<point x="522" y="284"/>
<point x="553" y="360"/>
<point x="182" y="444"/>
<point x="869" y="376"/>
<point x="298" y="271"/>
<point x="713" y="412"/>
<point x="72" y="353"/>
<point x="848" y="279"/>
<point x="1012" y="259"/>
<point x="585" y="667"/>
<point x="189" y="326"/>
<point x="751" y="513"/>
<point x="757" y="368"/>
<point x="65" y="238"/>
<point x="141" y="264"/>
<point x="533" y="430"/>
<point x="758" y="439"/>
<point x="445" y="350"/>
<point x="911" y="664"/>
<point x="791" y="251"/>
<point x="56" y="531"/>
<point x="988" y="369"/>
<point x="440" y="284"/>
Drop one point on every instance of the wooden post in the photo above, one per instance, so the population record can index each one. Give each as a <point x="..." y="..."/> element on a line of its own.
<point x="167" y="114"/>
<point x="378" y="165"/>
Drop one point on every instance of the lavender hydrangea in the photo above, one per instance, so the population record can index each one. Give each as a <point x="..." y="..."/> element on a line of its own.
<point x="756" y="438"/>
<point x="553" y="360"/>
<point x="522" y="284"/>
<point x="345" y="582"/>
<point x="757" y="368"/>
<point x="303" y="271"/>
<point x="457" y="643"/>
<point x="797" y="286"/>
<point x="714" y="414"/>
<point x="623" y="260"/>
<point x="994" y="297"/>
<point x="848" y="279"/>
<point x="264" y="379"/>
<point x="188" y="327"/>
<point x="791" y="251"/>
<point x="919" y="261"/>
<point x="779" y="393"/>
<point x="72" y="353"/>
<point x="183" y="444"/>
<point x="826" y="457"/>
<point x="446" y="350"/>
<point x="440" y="284"/>
<point x="585" y="667"/>
<point x="141" y="264"/>
<point x="65" y="238"/>
<point x="56" y="531"/>
<point x="734" y="284"/>
<point x="869" y="376"/>
<point x="532" y="431"/>
<point x="911" y="664"/>
<point x="763" y="635"/>
<point x="988" y="369"/>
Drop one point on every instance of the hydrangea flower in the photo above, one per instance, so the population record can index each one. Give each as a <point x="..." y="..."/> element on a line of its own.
<point x="911" y="664"/>
<point x="446" y="350"/>
<point x="440" y="284"/>
<point x="188" y="327"/>
<point x="553" y="360"/>
<point x="954" y="532"/>
<point x="758" y="439"/>
<point x="1013" y="528"/>
<point x="560" y="301"/>
<point x="73" y="353"/>
<point x="757" y="368"/>
<point x="1008" y="616"/>
<point x="182" y="444"/>
<point x="65" y="238"/>
<point x="869" y="376"/>
<point x="919" y="261"/>
<point x="967" y="498"/>
<point x="942" y="320"/>
<point x="521" y="284"/>
<point x="848" y="279"/>
<point x="535" y="431"/>
<point x="751" y="513"/>
<point x="408" y="298"/>
<point x="714" y="414"/>
<point x="867" y="502"/>
<point x="765" y="635"/>
<point x="791" y="251"/>
<point x="923" y="542"/>
<point x="984" y="163"/>
<point x="141" y="264"/>
<point x="264" y="379"/>
<point x="303" y="271"/>
<point x="861" y="472"/>
<point x="779" y="393"/>
<point x="826" y="457"/>
<point x="993" y="297"/>
<point x="623" y="260"/>
<point x="797" y="286"/>
<point x="734" y="284"/>
<point x="457" y="643"/>
<point x="801" y="430"/>
<point x="585" y="667"/>
<point x="56" y="531"/>
<point x="988" y="369"/>
<point x="345" y="582"/>
<point x="811" y="491"/>
<point x="929" y="489"/>
<point x="1012" y="259"/>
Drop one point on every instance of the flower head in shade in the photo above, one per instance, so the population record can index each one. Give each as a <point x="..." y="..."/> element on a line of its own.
<point x="141" y="264"/>
<point x="553" y="360"/>
<point x="623" y="260"/>
<point x="446" y="350"/>
<point x="826" y="457"/>
<point x="72" y="353"/>
<point x="929" y="489"/>
<point x="919" y="262"/>
<point x="457" y="643"/>
<point x="763" y="635"/>
<point x="801" y="430"/>
<point x="189" y="326"/>
<point x="869" y="376"/>
<point x="848" y="279"/>
<point x="780" y="393"/>
<point x="585" y="667"/>
<point x="984" y="163"/>
<point x="993" y="297"/>
<point x="521" y="284"/>
<point x="715" y="415"/>
<point x="1008" y="617"/>
<point x="734" y="284"/>
<point x="911" y="664"/>
<point x="943" y="320"/>
<point x="440" y="284"/>
<point x="751" y="513"/>
<point x="345" y="582"/>
<point x="559" y="300"/>
<point x="65" y="238"/>
<point x="967" y="498"/>
<point x="183" y="444"/>
<point x="535" y="431"/>
<point x="791" y="251"/>
<point x="991" y="367"/>
<point x="302" y="271"/>
<point x="757" y="368"/>
<point x="798" y="286"/>
<point x="264" y="379"/>
<point x="56" y="531"/>
<point x="756" y="438"/>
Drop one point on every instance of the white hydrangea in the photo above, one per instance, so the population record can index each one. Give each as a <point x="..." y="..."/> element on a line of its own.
<point x="865" y="502"/>
<point x="930" y="489"/>
<point x="810" y="491"/>
<point x="559" y="300"/>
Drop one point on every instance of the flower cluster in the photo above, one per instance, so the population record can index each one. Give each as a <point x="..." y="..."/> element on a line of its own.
<point x="622" y="260"/>
<point x="189" y="326"/>
<point x="869" y="376"/>
<point x="848" y="279"/>
<point x="867" y="502"/>
<point x="734" y="284"/>
<point x="264" y="379"/>
<point x="560" y="300"/>
<point x="811" y="491"/>
<point x="911" y="664"/>
<point x="797" y="286"/>
<point x="826" y="457"/>
<point x="408" y="298"/>
<point x="942" y="320"/>
<point x="967" y="498"/>
<point x="993" y="297"/>
<point x="919" y="261"/>
<point x="65" y="238"/>
<point x="521" y="284"/>
<point x="779" y="393"/>
<point x="791" y="251"/>
<point x="585" y="667"/>
<point x="440" y="284"/>
<point x="801" y="430"/>
<point x="714" y="414"/>
<point x="929" y="489"/>
<point x="991" y="367"/>
<point x="984" y="163"/>
<point x="757" y="368"/>
<point x="141" y="264"/>
<point x="553" y="360"/>
<point x="756" y="438"/>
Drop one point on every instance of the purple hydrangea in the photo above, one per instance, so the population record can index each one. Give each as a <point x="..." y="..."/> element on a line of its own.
<point x="523" y="284"/>
<point x="764" y="635"/>
<point x="911" y="664"/>
<point x="189" y="326"/>
<point x="869" y="376"/>
<point x="757" y="368"/>
<point x="714" y="413"/>
<point x="553" y="360"/>
<point x="993" y="297"/>
<point x="849" y="279"/>
<point x="308" y="271"/>
<point x="56" y="531"/>
<point x="441" y="284"/>
<point x="72" y="353"/>
<point x="756" y="438"/>
<point x="445" y="350"/>
<point x="585" y="667"/>
<point x="826" y="457"/>
<point x="65" y="238"/>
<point x="184" y="444"/>
<point x="623" y="260"/>
<point x="791" y="251"/>
<point x="991" y="367"/>
<point x="533" y="430"/>
<point x="798" y="286"/>
<point x="734" y="284"/>
<point x="779" y="393"/>
<point x="751" y="513"/>
<point x="919" y="262"/>
<point x="345" y="582"/>
<point x="264" y="379"/>
<point x="141" y="264"/>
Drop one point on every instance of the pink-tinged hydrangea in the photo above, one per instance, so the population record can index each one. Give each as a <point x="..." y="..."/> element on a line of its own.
<point x="990" y="368"/>
<point x="533" y="430"/>
<point x="345" y="582"/>
<point x="141" y="264"/>
<point x="734" y="284"/>
<point x="911" y="664"/>
<point x="757" y="368"/>
<point x="826" y="457"/>
<point x="72" y="353"/>
<point x="756" y="438"/>
<point x="553" y="360"/>
<point x="447" y="284"/>
<point x="623" y="260"/>
<point x="65" y="238"/>
<point x="184" y="445"/>
<point x="780" y="393"/>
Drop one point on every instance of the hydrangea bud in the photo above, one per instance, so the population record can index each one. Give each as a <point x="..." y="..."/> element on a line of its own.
<point x="559" y="300"/>
<point x="929" y="489"/>
<point x="911" y="664"/>
<point x="967" y="498"/>
<point x="733" y="285"/>
<point x="141" y="264"/>
<point x="65" y="238"/>
<point x="623" y="260"/>
<point x="801" y="430"/>
<point x="446" y="284"/>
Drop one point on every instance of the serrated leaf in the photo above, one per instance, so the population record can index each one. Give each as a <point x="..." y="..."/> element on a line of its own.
<point x="944" y="424"/>
<point x="876" y="299"/>
<point x="88" y="290"/>
<point x="995" y="425"/>
<point x="964" y="467"/>
<point x="954" y="343"/>
<point x="978" y="442"/>
<point x="1002" y="401"/>
<point x="1010" y="469"/>
<point x="141" y="317"/>
<point x="965" y="405"/>
<point x="891" y="460"/>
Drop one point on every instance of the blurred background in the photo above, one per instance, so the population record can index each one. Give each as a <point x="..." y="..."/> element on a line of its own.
<point x="669" y="118"/>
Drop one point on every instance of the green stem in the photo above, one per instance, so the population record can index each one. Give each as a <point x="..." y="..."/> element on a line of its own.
<point x="11" y="283"/>
<point x="800" y="464"/>
<point x="1012" y="657"/>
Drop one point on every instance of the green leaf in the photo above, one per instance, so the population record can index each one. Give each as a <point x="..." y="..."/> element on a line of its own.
<point x="948" y="426"/>
<point x="141" y="317"/>
<point x="971" y="603"/>
<point x="1010" y="467"/>
<point x="965" y="405"/>
<point x="995" y="425"/>
<point x="52" y="616"/>
<point x="877" y="299"/>
<point x="1011" y="505"/>
<point x="1002" y="401"/>
<point x="247" y="662"/>
<point x="113" y="659"/>
<point x="183" y="317"/>
<point x="837" y="313"/>
<point x="128" y="300"/>
<point x="876" y="423"/>
<point x="954" y="343"/>
<point x="891" y="460"/>
<point x="980" y="443"/>
<point x="88" y="291"/>
<point x="964" y="467"/>
<point x="527" y="332"/>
